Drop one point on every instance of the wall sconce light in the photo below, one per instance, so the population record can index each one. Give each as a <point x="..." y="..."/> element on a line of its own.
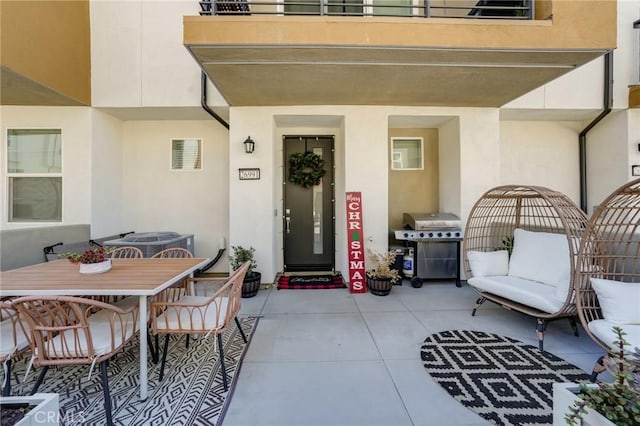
<point x="249" y="145"/>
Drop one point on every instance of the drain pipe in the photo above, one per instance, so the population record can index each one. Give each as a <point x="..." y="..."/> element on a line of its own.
<point x="203" y="101"/>
<point x="582" y="138"/>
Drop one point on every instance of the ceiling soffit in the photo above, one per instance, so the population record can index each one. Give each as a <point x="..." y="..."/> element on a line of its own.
<point x="251" y="75"/>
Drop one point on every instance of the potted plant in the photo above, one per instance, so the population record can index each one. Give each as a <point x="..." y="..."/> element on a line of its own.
<point x="381" y="276"/>
<point x="92" y="261"/>
<point x="616" y="403"/>
<point x="251" y="283"/>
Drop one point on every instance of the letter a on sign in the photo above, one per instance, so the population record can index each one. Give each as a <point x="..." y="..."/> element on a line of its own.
<point x="355" y="235"/>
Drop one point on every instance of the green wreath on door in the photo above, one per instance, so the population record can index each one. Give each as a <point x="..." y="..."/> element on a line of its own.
<point x="306" y="169"/>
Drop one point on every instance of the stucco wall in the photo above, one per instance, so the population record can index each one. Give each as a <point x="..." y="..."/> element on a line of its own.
<point x="582" y="88"/>
<point x="608" y="161"/>
<point x="75" y="123"/>
<point x="479" y="159"/>
<point x="138" y="58"/>
<point x="362" y="164"/>
<point x="541" y="153"/>
<point x="107" y="183"/>
<point x="414" y="190"/>
<point x="154" y="198"/>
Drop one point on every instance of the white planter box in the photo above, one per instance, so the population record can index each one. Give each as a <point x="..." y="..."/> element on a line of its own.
<point x="564" y="395"/>
<point x="45" y="409"/>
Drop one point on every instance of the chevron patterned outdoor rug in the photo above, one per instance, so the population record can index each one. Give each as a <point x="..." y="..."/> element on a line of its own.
<point x="503" y="380"/>
<point x="191" y="392"/>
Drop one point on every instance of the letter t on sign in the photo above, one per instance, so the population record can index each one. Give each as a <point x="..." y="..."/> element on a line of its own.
<point x="355" y="248"/>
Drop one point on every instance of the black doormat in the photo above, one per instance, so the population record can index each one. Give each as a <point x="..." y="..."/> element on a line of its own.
<point x="310" y="282"/>
<point x="505" y="381"/>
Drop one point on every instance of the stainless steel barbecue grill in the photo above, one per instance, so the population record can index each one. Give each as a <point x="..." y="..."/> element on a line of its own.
<point x="436" y="239"/>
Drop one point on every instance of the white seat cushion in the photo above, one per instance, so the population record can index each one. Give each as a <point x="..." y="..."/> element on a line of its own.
<point x="100" y="333"/>
<point x="488" y="263"/>
<point x="530" y="293"/>
<point x="205" y="318"/>
<point x="7" y="344"/>
<point x="620" y="301"/>
<point x="541" y="257"/>
<point x="603" y="330"/>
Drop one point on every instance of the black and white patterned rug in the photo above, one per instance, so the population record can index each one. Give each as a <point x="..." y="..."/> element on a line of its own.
<point x="503" y="380"/>
<point x="191" y="392"/>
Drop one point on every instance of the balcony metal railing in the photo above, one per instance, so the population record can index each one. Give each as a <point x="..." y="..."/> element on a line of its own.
<point x="469" y="9"/>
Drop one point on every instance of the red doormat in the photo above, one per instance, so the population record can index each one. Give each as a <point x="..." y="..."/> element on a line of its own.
<point x="310" y="282"/>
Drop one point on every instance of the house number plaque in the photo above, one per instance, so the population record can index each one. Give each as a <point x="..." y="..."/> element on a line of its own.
<point x="249" y="174"/>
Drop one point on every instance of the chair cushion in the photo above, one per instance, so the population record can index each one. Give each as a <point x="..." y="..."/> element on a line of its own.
<point x="620" y="301"/>
<point x="100" y="333"/>
<point x="603" y="330"/>
<point x="488" y="263"/>
<point x="541" y="257"/>
<point x="7" y="344"/>
<point x="196" y="318"/>
<point x="530" y="293"/>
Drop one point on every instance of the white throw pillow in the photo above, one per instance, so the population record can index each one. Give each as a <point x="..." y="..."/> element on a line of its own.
<point x="620" y="301"/>
<point x="541" y="257"/>
<point x="488" y="263"/>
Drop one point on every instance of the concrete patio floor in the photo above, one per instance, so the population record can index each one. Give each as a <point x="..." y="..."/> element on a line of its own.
<point x="328" y="357"/>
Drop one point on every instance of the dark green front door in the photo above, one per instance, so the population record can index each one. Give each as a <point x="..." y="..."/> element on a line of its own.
<point x="309" y="211"/>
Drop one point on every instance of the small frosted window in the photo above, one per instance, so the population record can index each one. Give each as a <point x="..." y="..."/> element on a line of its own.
<point x="406" y="154"/>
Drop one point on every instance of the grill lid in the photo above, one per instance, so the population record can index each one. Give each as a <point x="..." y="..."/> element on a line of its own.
<point x="431" y="221"/>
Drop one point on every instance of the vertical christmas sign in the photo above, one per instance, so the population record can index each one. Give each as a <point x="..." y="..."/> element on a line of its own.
<point x="355" y="240"/>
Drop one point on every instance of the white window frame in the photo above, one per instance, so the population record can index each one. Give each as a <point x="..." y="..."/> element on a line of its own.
<point x="11" y="175"/>
<point x="397" y="156"/>
<point x="181" y="169"/>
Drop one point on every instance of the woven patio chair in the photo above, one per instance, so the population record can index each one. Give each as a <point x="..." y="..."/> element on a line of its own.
<point x="174" y="252"/>
<point x="491" y="226"/>
<point x="13" y="340"/>
<point x="609" y="257"/>
<point x="68" y="330"/>
<point x="126" y="253"/>
<point x="202" y="315"/>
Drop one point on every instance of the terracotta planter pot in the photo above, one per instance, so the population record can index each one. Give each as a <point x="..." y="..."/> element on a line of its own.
<point x="251" y="285"/>
<point x="380" y="286"/>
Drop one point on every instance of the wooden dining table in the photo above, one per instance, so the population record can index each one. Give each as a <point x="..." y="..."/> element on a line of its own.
<point x="127" y="277"/>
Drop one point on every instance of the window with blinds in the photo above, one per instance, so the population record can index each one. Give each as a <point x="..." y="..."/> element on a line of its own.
<point x="186" y="154"/>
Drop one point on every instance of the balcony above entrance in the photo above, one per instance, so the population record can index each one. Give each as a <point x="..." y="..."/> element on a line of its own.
<point x="257" y="59"/>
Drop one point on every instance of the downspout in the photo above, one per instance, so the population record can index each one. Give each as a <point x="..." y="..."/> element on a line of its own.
<point x="582" y="138"/>
<point x="203" y="101"/>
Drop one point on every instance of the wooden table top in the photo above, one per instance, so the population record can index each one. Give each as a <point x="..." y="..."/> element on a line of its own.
<point x="142" y="277"/>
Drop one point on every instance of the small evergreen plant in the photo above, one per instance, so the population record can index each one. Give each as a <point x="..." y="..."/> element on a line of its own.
<point x="241" y="255"/>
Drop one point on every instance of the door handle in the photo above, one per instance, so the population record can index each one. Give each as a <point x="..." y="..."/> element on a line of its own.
<point x="287" y="220"/>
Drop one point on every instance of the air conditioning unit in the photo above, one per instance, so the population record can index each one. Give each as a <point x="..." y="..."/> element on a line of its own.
<point x="153" y="242"/>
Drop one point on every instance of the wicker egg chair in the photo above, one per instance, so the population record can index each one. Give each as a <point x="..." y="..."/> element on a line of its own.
<point x="610" y="250"/>
<point x="491" y="225"/>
